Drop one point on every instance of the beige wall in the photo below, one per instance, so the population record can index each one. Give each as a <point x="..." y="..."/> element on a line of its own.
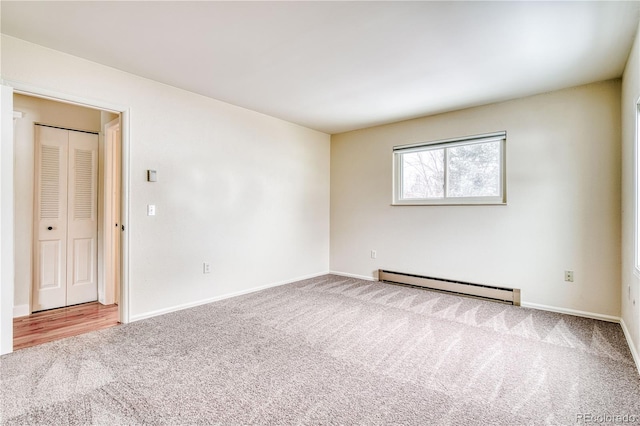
<point x="247" y="192"/>
<point x="630" y="278"/>
<point x="44" y="112"/>
<point x="563" y="212"/>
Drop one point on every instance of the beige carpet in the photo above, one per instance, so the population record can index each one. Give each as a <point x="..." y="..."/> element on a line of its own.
<point x="331" y="350"/>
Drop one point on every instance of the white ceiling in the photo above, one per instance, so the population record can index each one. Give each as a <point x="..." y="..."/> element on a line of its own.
<point x="338" y="66"/>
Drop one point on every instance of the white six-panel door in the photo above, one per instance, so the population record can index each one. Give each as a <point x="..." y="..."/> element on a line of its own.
<point x="65" y="252"/>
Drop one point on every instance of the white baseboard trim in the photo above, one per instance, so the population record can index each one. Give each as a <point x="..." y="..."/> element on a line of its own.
<point x="21" y="311"/>
<point x="585" y="314"/>
<point x="217" y="298"/>
<point x="346" y="274"/>
<point x="632" y="347"/>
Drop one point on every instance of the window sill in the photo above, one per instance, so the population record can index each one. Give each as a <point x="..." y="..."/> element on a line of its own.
<point x="449" y="203"/>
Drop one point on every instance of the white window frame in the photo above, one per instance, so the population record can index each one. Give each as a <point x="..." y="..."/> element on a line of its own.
<point x="501" y="199"/>
<point x="636" y="184"/>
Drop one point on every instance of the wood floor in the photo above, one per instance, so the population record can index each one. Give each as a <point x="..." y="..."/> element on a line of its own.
<point x="55" y="324"/>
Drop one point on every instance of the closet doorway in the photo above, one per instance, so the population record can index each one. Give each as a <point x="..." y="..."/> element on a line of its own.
<point x="68" y="188"/>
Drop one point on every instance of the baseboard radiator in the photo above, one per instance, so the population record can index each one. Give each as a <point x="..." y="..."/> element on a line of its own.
<point x="498" y="294"/>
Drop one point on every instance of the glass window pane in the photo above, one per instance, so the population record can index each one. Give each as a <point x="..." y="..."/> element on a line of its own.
<point x="474" y="170"/>
<point x="423" y="174"/>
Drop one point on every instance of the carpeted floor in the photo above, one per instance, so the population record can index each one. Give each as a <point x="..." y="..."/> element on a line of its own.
<point x="330" y="350"/>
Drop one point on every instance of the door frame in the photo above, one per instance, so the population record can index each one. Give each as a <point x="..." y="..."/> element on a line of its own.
<point x="7" y="183"/>
<point x="7" y="265"/>
<point x="108" y="289"/>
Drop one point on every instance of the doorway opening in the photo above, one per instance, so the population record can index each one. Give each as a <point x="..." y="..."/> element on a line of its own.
<point x="68" y="198"/>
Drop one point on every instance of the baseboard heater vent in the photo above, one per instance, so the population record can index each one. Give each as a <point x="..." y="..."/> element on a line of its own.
<point x="499" y="294"/>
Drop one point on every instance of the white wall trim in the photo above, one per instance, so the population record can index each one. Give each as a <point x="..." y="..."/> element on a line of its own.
<point x="125" y="185"/>
<point x="30" y="90"/>
<point x="585" y="314"/>
<point x="7" y="266"/>
<point x="632" y="348"/>
<point x="21" y="311"/>
<point x="346" y="274"/>
<point x="218" y="298"/>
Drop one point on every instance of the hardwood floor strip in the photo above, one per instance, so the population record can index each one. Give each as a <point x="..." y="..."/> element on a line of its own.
<point x="46" y="326"/>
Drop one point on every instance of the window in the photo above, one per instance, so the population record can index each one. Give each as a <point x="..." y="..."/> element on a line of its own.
<point x="469" y="170"/>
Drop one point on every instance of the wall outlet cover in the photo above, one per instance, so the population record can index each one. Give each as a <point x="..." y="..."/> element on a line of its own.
<point x="568" y="276"/>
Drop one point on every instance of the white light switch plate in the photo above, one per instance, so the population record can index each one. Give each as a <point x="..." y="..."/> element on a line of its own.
<point x="151" y="210"/>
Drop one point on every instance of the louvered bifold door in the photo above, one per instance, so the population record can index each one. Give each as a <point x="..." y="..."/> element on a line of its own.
<point x="82" y="245"/>
<point x="50" y="221"/>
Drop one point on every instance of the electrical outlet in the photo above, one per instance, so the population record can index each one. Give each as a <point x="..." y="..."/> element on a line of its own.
<point x="206" y="268"/>
<point x="374" y="254"/>
<point x="568" y="276"/>
<point x="151" y="210"/>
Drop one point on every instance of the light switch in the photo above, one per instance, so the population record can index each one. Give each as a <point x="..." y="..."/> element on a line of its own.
<point x="152" y="176"/>
<point x="151" y="210"/>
